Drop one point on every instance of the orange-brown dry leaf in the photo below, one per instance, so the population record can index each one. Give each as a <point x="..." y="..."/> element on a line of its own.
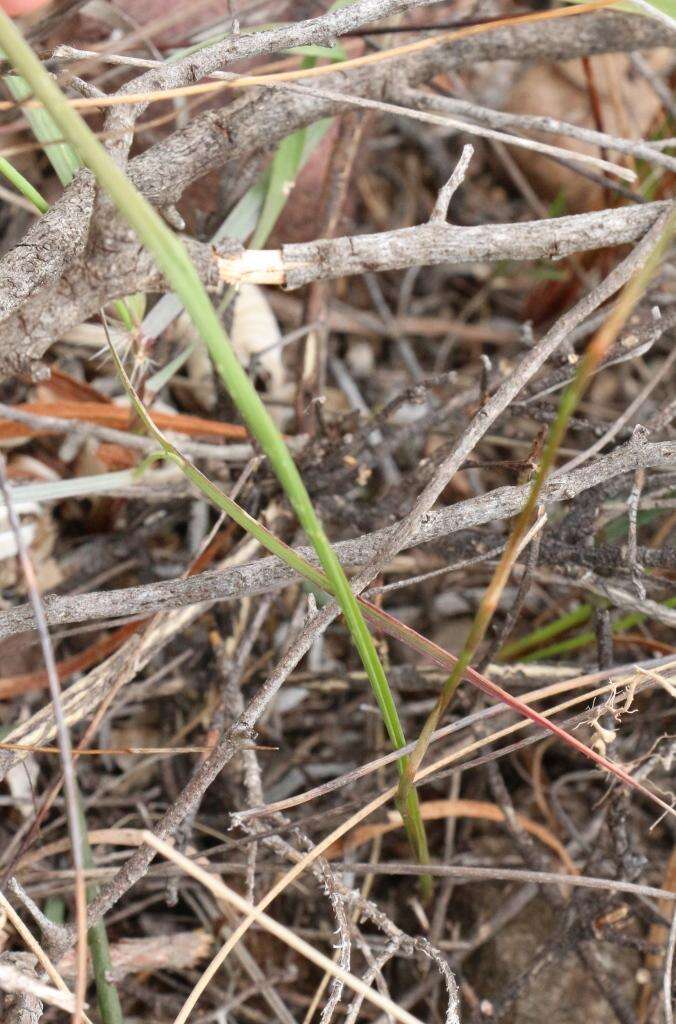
<point x="432" y="810"/>
<point x="62" y="385"/>
<point x="114" y="457"/>
<point x="120" y="417"/>
<point x="629" y="107"/>
<point x="19" y="685"/>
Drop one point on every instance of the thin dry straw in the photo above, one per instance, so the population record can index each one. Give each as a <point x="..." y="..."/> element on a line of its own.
<point x="35" y="947"/>
<point x="172" y="257"/>
<point x="280" y="931"/>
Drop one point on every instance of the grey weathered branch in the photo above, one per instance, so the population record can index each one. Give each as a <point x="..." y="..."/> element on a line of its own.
<point x="270" y="574"/>
<point x="435" y="242"/>
<point x="32" y="271"/>
<point x="398" y="539"/>
<point x="29" y="271"/>
<point x="163" y="75"/>
<point x="256" y="123"/>
<point x="323" y="29"/>
<point x="58" y="289"/>
<point x="101" y="276"/>
<point x="91" y="280"/>
<point x="21" y="1006"/>
<point x="16" y="981"/>
<point x="427" y="100"/>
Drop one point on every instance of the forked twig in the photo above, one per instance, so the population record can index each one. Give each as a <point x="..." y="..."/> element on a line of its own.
<point x="35" y="948"/>
<point x="569" y="401"/>
<point x="224" y="892"/>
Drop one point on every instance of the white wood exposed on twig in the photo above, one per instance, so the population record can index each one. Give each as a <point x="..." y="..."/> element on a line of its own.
<point x="437" y="242"/>
<point x="50" y="283"/>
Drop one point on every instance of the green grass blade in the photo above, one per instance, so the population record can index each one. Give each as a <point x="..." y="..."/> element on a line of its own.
<point x="294" y="150"/>
<point x="335" y="53"/>
<point x="539" y="636"/>
<point x="574" y="643"/>
<point x="285" y="166"/>
<point x="291" y="155"/>
<point x="22" y="185"/>
<point x="107" y="996"/>
<point x="409" y="808"/>
<point x="61" y="156"/>
<point x="172" y="258"/>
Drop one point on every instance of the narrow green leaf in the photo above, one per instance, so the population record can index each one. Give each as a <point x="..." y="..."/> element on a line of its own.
<point x="61" y="156"/>
<point x="283" y="171"/>
<point x="172" y="258"/>
<point x="574" y="643"/>
<point x="23" y="185"/>
<point x="107" y="996"/>
<point x="319" y="52"/>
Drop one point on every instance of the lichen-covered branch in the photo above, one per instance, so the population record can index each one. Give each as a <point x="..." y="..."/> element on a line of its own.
<point x="428" y="244"/>
<point x="269" y="573"/>
<point x="55" y="278"/>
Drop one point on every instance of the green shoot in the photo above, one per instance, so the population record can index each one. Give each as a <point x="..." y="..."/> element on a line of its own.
<point x="573" y="643"/>
<point x="569" y="401"/>
<point x="97" y="939"/>
<point x="22" y="185"/>
<point x="172" y="258"/>
<point x="61" y="156"/>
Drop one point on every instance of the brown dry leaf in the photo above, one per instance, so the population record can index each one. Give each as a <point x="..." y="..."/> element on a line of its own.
<point x="119" y="416"/>
<point x="177" y="951"/>
<point x="629" y="107"/>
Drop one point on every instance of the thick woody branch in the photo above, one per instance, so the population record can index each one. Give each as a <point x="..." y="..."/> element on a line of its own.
<point x="270" y="574"/>
<point x="323" y="29"/>
<point x="104" y="275"/>
<point x="32" y="269"/>
<point x="436" y="242"/>
<point x="255" y="124"/>
<point x="51" y="244"/>
<point x="169" y="75"/>
<point x="44" y="270"/>
<point x="92" y="280"/>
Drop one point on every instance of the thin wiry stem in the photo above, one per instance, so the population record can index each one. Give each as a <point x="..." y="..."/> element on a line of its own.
<point x="65" y="746"/>
<point x="221" y="890"/>
<point x="668" y="973"/>
<point x="469" y="873"/>
<point x="569" y="402"/>
<point x="171" y="256"/>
